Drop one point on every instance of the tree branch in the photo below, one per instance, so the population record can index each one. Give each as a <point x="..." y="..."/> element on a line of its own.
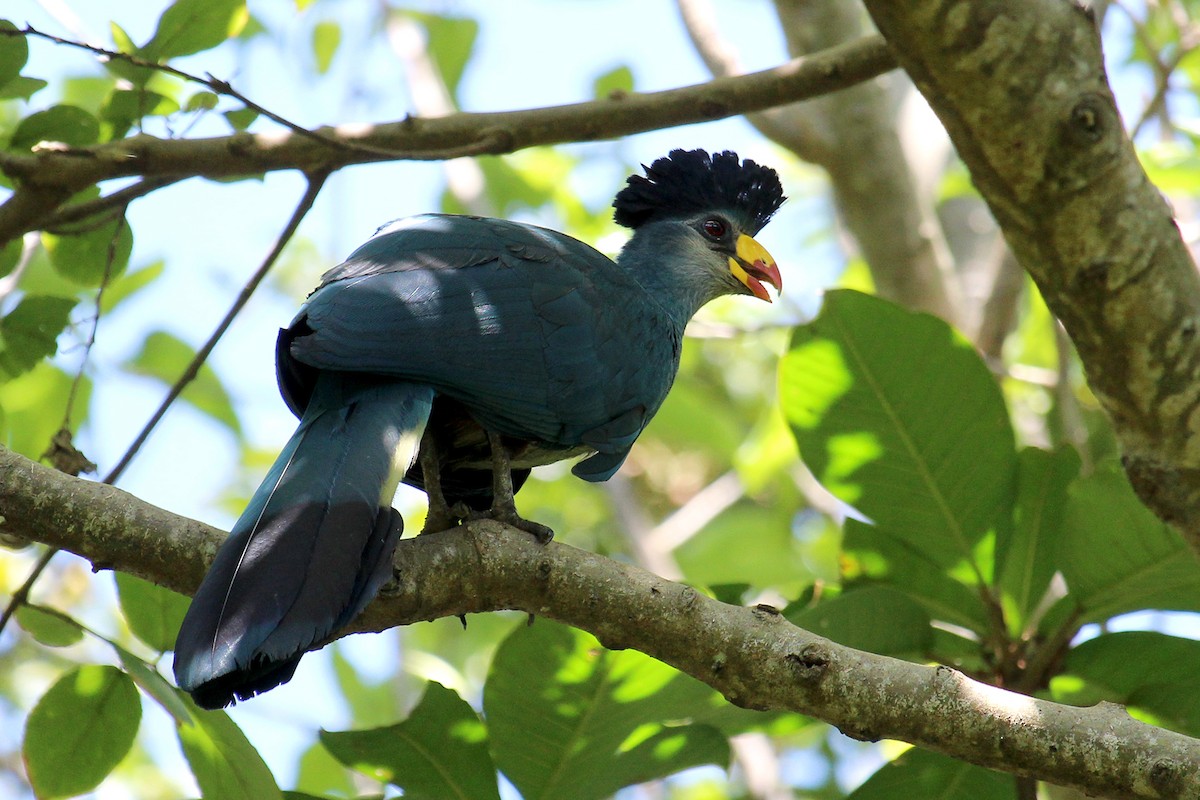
<point x="751" y="655"/>
<point x="1021" y="88"/>
<point x="47" y="177"/>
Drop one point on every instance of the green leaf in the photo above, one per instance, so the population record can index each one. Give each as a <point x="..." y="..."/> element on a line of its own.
<point x="326" y="37"/>
<point x="30" y="332"/>
<point x="154" y="614"/>
<point x="615" y="82"/>
<point x="64" y="124"/>
<point x="33" y="407"/>
<point x="1118" y="557"/>
<point x="931" y="776"/>
<point x="746" y="540"/>
<point x="165" y="357"/>
<point x="94" y="255"/>
<point x="154" y="685"/>
<point x="10" y="255"/>
<point x="202" y="101"/>
<point x="319" y="773"/>
<point x="1025" y="558"/>
<point x="127" y="284"/>
<point x="80" y="730"/>
<point x="190" y="26"/>
<point x="568" y="718"/>
<point x="226" y="765"/>
<point x="49" y="628"/>
<point x="14" y="52"/>
<point x="124" y="107"/>
<point x="371" y="704"/>
<point x="440" y="751"/>
<point x="22" y="88"/>
<point x="450" y="43"/>
<point x="1152" y="671"/>
<point x="878" y="619"/>
<point x="897" y="415"/>
<point x="241" y="118"/>
<point x="872" y="555"/>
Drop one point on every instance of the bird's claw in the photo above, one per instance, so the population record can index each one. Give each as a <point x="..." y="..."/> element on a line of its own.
<point x="541" y="532"/>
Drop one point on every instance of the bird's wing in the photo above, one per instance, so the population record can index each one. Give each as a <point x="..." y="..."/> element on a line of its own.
<point x="535" y="332"/>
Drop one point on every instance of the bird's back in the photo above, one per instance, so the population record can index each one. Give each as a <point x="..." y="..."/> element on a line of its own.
<point x="538" y="335"/>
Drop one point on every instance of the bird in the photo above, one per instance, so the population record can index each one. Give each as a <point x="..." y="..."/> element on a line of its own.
<point x="454" y="353"/>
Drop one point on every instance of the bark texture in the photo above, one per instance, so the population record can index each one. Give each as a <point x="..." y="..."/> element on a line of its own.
<point x="1020" y="86"/>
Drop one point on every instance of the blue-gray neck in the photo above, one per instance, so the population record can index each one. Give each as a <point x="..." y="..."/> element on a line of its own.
<point x="674" y="267"/>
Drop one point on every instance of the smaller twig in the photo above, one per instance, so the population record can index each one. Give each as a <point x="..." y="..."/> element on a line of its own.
<point x="999" y="313"/>
<point x="217" y="85"/>
<point x="118" y="199"/>
<point x="21" y="595"/>
<point x="315" y="182"/>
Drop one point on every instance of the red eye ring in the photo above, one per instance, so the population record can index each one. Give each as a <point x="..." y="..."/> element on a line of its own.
<point x="715" y="228"/>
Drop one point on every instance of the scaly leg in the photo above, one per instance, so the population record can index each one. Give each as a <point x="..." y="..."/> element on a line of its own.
<point x="504" y="508"/>
<point x="439" y="517"/>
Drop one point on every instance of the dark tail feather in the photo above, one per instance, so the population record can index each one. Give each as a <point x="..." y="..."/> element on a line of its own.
<point x="311" y="549"/>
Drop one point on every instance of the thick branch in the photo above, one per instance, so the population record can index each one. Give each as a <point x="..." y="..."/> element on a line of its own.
<point x="47" y="177"/>
<point x="752" y="655"/>
<point x="1021" y="88"/>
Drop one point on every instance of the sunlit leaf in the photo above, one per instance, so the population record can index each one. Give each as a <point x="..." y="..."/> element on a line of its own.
<point x="93" y="255"/>
<point x="241" y="118"/>
<point x="897" y="415"/>
<point x="189" y="26"/>
<point x="451" y="41"/>
<point x="154" y="685"/>
<point x="371" y="704"/>
<point x="165" y="357"/>
<point x="568" y="718"/>
<point x="226" y="765"/>
<point x="1025" y="559"/>
<point x="615" y="82"/>
<point x="80" y="730"/>
<point x="321" y="774"/>
<point x="932" y="776"/>
<point x="1118" y="557"/>
<point x="326" y="37"/>
<point x="35" y="405"/>
<point x="128" y="284"/>
<point x="126" y="106"/>
<point x="61" y="124"/>
<point x="154" y="614"/>
<point x="440" y="751"/>
<point x="873" y="555"/>
<point x="52" y="630"/>
<point x="202" y="101"/>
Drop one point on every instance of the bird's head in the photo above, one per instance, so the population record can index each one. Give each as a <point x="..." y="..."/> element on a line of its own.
<point x="706" y="209"/>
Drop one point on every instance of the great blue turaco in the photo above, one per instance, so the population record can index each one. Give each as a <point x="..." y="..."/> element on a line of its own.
<point x="454" y="353"/>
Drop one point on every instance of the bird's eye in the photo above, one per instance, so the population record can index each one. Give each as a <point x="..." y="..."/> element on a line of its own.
<point x="714" y="228"/>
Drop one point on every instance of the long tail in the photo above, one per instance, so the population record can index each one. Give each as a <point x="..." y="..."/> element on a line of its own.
<point x="313" y="546"/>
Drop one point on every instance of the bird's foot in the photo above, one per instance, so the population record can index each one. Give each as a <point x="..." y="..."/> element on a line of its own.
<point x="441" y="519"/>
<point x="541" y="532"/>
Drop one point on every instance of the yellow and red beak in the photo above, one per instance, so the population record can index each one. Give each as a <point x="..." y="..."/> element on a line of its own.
<point x="753" y="265"/>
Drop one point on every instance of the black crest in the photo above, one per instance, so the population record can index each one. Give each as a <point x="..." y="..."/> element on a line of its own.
<point x="690" y="181"/>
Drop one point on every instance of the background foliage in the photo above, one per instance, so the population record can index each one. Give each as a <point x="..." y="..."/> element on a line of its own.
<point x="959" y="502"/>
